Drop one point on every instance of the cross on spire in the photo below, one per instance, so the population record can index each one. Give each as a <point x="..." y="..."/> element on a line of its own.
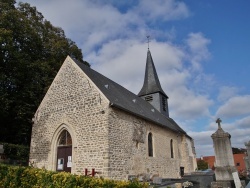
<point x="148" y="41"/>
<point x="219" y="121"/>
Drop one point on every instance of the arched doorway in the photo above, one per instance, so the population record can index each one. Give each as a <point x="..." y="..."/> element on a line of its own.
<point x="64" y="152"/>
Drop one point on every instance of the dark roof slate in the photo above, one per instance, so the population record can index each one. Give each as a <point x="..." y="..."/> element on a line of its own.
<point x="151" y="81"/>
<point x="123" y="99"/>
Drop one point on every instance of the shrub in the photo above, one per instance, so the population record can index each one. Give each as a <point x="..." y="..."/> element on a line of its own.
<point x="28" y="177"/>
<point x="16" y="152"/>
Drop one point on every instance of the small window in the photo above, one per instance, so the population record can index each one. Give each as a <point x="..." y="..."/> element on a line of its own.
<point x="150" y="145"/>
<point x="65" y="139"/>
<point x="164" y="104"/>
<point x="149" y="98"/>
<point x="137" y="144"/>
<point x="171" y="148"/>
<point x="237" y="164"/>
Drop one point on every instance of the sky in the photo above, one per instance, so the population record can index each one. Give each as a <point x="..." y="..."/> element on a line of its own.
<point x="201" y="51"/>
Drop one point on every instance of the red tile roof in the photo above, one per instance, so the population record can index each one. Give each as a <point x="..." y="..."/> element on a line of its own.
<point x="238" y="161"/>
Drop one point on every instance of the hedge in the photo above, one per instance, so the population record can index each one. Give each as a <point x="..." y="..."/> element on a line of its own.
<point x="16" y="152"/>
<point x="29" y="177"/>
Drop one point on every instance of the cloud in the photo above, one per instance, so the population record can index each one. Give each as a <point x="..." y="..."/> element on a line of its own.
<point x="124" y="62"/>
<point x="203" y="143"/>
<point x="121" y="56"/>
<point x="197" y="45"/>
<point x="92" y="23"/>
<point x="226" y="92"/>
<point x="238" y="129"/>
<point x="187" y="104"/>
<point x="162" y="9"/>
<point x="243" y="123"/>
<point x="235" y="107"/>
<point x="239" y="136"/>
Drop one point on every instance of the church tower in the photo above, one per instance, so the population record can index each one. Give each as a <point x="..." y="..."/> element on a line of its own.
<point x="151" y="90"/>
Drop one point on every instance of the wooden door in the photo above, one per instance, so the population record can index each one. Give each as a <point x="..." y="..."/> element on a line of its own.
<point x="64" y="158"/>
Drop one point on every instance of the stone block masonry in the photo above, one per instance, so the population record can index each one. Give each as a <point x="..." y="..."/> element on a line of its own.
<point x="74" y="103"/>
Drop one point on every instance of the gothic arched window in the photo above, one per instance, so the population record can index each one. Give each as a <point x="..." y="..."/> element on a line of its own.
<point x="150" y="145"/>
<point x="171" y="148"/>
<point x="65" y="139"/>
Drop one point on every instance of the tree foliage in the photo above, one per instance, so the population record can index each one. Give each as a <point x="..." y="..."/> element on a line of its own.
<point x="16" y="152"/>
<point x="202" y="165"/>
<point x="238" y="150"/>
<point x="31" y="52"/>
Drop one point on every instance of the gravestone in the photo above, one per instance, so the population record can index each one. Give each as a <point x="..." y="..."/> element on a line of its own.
<point x="1" y="149"/>
<point x="201" y="179"/>
<point x="224" y="161"/>
<point x="236" y="180"/>
<point x="247" y="158"/>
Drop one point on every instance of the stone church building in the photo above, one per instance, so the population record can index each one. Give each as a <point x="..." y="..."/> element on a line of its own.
<point x="87" y="121"/>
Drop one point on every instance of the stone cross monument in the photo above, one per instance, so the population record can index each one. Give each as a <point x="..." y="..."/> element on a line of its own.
<point x="247" y="159"/>
<point x="224" y="161"/>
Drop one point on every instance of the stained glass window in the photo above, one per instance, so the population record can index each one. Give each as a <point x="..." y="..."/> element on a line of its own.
<point x="65" y="139"/>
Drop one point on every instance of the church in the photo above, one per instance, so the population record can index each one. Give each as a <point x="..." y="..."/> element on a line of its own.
<point x="87" y="121"/>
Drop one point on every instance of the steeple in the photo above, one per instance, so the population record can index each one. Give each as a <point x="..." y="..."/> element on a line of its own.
<point x="151" y="80"/>
<point x="151" y="90"/>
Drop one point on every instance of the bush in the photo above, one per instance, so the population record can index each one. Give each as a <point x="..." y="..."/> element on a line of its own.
<point x="202" y="165"/>
<point x="28" y="177"/>
<point x="16" y="152"/>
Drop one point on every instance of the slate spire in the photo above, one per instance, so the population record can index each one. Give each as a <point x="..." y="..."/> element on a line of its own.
<point x="151" y="90"/>
<point x="151" y="81"/>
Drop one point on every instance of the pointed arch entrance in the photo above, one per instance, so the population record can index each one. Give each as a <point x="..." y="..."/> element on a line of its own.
<point x="64" y="152"/>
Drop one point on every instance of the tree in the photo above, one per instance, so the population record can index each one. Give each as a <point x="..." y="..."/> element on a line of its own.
<point x="238" y="150"/>
<point x="31" y="52"/>
<point x="202" y="165"/>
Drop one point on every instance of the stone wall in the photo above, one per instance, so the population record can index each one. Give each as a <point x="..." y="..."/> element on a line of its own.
<point x="188" y="156"/>
<point x="247" y="158"/>
<point x="129" y="148"/>
<point x="73" y="103"/>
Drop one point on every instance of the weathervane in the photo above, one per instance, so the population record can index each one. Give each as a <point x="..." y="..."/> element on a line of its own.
<point x="148" y="41"/>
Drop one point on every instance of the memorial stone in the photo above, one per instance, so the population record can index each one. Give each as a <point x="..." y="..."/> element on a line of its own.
<point x="224" y="161"/>
<point x="247" y="158"/>
<point x="1" y="149"/>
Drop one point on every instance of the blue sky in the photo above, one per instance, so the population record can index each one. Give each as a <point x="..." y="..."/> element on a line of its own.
<point x="200" y="50"/>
